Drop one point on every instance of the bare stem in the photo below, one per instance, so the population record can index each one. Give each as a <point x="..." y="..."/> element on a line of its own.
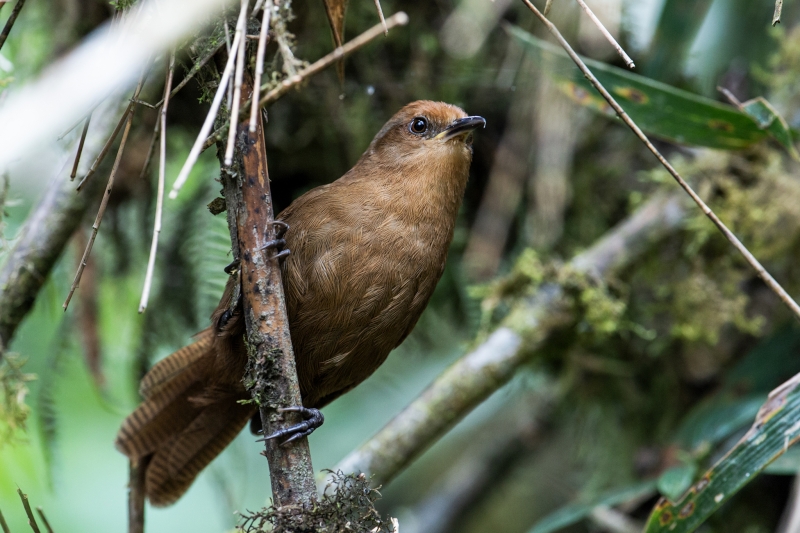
<point x="398" y="19"/>
<point x="103" y="205"/>
<point x="150" y="150"/>
<point x="28" y="511"/>
<point x="111" y="138"/>
<point x="162" y="161"/>
<point x="3" y="523"/>
<point x="46" y="522"/>
<point x="262" y="46"/>
<point x="80" y="147"/>
<point x="194" y="153"/>
<point x="751" y="260"/>
<point x="380" y="16"/>
<point x="10" y="22"/>
<point x="237" y="83"/>
<point x="610" y="38"/>
<point x="776" y="16"/>
<point x="136" y="492"/>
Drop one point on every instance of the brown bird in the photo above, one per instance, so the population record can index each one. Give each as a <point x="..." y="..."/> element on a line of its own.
<point x="366" y="253"/>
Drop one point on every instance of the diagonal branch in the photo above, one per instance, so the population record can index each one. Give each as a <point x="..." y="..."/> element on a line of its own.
<point x="46" y="233"/>
<point x="10" y="22"/>
<point x="749" y="257"/>
<point x="104" y="202"/>
<point x="474" y="377"/>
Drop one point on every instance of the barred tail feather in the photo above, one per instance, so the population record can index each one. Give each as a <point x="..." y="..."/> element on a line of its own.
<point x="183" y="423"/>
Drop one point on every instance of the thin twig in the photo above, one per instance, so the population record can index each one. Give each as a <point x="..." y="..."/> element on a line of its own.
<point x="162" y="161"/>
<point x="751" y="260"/>
<point x="80" y="147"/>
<point x="69" y="130"/>
<point x="10" y="22"/>
<point x="237" y="84"/>
<point x="610" y="38"/>
<point x="262" y="46"/>
<point x="146" y="104"/>
<point x="194" y="153"/>
<point x="3" y="523"/>
<point x="380" y="15"/>
<point x="228" y="49"/>
<point x="776" y="17"/>
<point x="547" y="6"/>
<point x="101" y="211"/>
<point x="227" y="37"/>
<point x="191" y="74"/>
<point x="150" y="150"/>
<point x="46" y="522"/>
<point x="398" y="19"/>
<point x="730" y="96"/>
<point x="136" y="492"/>
<point x="111" y="138"/>
<point x="28" y="511"/>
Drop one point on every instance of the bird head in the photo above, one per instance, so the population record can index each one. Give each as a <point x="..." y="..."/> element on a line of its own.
<point x="426" y="132"/>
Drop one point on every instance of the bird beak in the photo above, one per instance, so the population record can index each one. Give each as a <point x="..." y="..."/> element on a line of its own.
<point x="461" y="127"/>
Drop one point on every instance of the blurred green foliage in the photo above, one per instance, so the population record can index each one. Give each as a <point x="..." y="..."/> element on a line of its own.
<point x="662" y="371"/>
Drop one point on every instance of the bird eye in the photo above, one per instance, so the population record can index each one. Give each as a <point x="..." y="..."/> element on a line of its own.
<point x="418" y="125"/>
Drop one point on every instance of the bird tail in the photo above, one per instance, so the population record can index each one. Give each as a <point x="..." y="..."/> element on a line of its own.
<point x="183" y="423"/>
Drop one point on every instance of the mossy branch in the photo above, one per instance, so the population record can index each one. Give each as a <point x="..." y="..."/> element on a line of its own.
<point x="46" y="233"/>
<point x="272" y="375"/>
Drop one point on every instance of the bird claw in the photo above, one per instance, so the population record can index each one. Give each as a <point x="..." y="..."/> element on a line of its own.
<point x="279" y="244"/>
<point x="274" y="243"/>
<point x="232" y="267"/>
<point x="312" y="419"/>
<point x="281" y="228"/>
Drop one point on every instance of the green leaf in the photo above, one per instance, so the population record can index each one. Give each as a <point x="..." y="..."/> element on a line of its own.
<point x="575" y="512"/>
<point x="769" y="120"/>
<point x="659" y="109"/>
<point x="676" y="480"/>
<point x="776" y="427"/>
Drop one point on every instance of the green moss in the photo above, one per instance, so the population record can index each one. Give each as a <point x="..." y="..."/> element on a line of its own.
<point x="347" y="504"/>
<point x="13" y="390"/>
<point x="695" y="286"/>
<point x="598" y="310"/>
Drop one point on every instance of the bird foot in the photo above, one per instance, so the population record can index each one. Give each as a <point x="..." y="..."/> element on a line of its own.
<point x="281" y="228"/>
<point x="312" y="419"/>
<point x="232" y="267"/>
<point x="278" y="244"/>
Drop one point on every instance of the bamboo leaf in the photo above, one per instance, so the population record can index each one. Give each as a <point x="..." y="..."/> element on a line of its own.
<point x="770" y="121"/>
<point x="776" y="428"/>
<point x="662" y="110"/>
